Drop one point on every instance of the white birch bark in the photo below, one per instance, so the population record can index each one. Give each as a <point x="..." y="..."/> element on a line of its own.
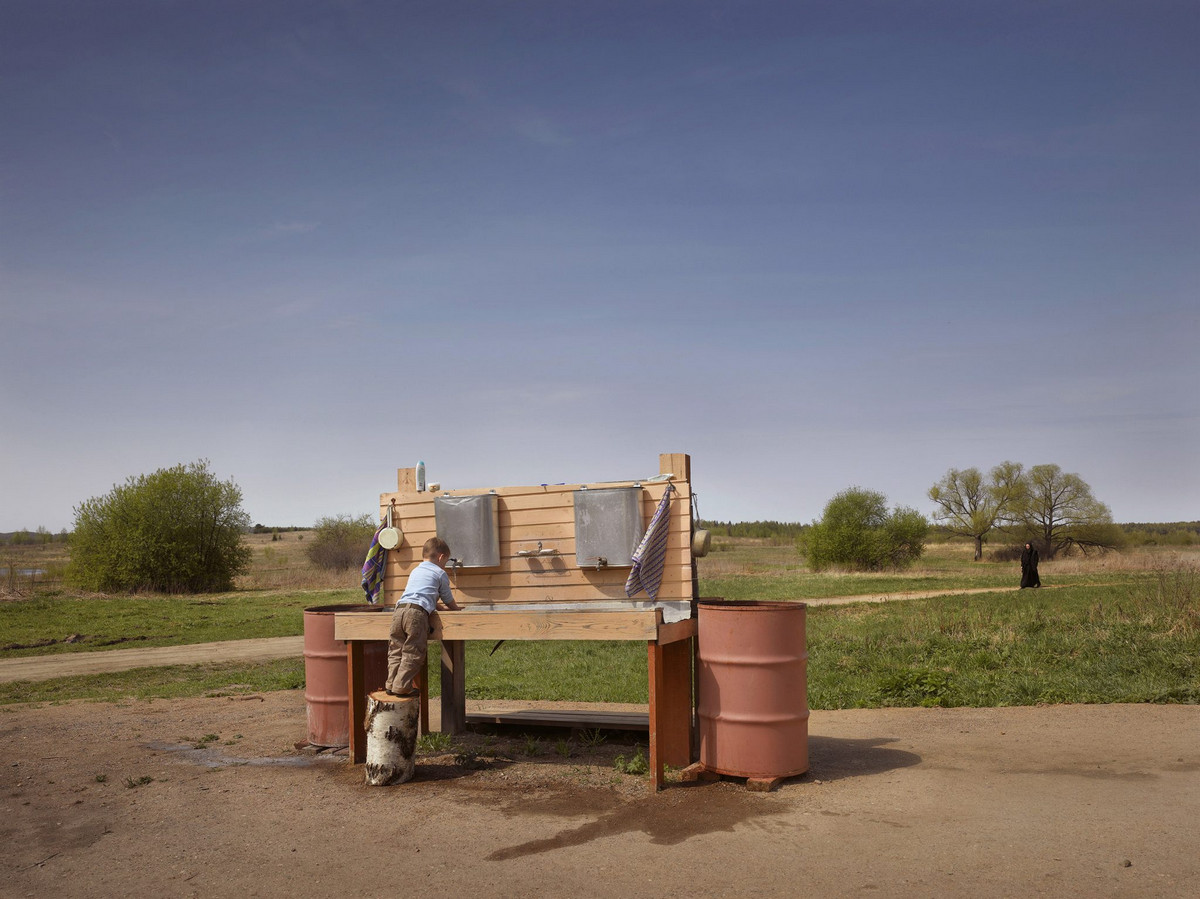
<point x="391" y="727"/>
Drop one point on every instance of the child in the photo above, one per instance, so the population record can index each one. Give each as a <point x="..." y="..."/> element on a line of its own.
<point x="410" y="621"/>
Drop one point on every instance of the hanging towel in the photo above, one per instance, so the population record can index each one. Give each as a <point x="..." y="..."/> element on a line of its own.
<point x="373" y="568"/>
<point x="648" y="558"/>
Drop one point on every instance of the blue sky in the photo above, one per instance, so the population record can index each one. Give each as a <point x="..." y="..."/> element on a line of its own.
<point x="814" y="245"/>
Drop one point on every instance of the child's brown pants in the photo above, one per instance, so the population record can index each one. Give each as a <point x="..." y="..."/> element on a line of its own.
<point x="407" y="648"/>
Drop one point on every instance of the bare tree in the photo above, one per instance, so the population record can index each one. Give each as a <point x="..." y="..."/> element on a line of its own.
<point x="1057" y="510"/>
<point x="969" y="506"/>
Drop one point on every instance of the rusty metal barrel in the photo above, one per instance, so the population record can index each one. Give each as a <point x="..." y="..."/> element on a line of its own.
<point x="326" y="684"/>
<point x="752" y="688"/>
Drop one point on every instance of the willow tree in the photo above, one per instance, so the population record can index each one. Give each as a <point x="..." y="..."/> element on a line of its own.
<point x="1056" y="511"/>
<point x="968" y="505"/>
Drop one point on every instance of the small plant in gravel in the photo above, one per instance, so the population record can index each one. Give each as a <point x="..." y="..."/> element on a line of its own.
<point x="637" y="765"/>
<point x="434" y="742"/>
<point x="563" y="748"/>
<point x="470" y="760"/>
<point x="593" y="738"/>
<point x="533" y="746"/>
<point x="140" y="782"/>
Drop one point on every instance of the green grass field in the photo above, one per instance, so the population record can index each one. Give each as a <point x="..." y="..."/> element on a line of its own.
<point x="1117" y="628"/>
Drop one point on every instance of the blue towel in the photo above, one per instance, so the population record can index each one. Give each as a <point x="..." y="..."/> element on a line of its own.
<point x="373" y="568"/>
<point x="649" y="557"/>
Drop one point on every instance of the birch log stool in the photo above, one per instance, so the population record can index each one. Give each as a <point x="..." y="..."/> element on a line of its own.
<point x="391" y="727"/>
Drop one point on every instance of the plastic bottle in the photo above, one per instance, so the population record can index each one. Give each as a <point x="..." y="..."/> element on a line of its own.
<point x="421" y="477"/>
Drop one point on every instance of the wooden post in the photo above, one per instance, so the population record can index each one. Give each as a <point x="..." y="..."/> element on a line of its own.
<point x="356" y="678"/>
<point x="676" y="704"/>
<point x="694" y="712"/>
<point x="454" y="686"/>
<point x="391" y="728"/>
<point x="657" y="677"/>
<point x="670" y="707"/>
<point x="424" y="685"/>
<point x="670" y="665"/>
<point x="678" y="464"/>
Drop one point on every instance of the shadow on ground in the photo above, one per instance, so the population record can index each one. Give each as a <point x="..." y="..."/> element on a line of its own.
<point x="836" y="758"/>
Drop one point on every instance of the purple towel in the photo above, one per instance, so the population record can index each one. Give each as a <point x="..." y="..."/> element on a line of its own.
<point x="649" y="557"/>
<point x="373" y="568"/>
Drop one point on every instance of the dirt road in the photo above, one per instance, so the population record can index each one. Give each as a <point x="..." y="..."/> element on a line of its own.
<point x="97" y="662"/>
<point x="36" y="668"/>
<point x="209" y="797"/>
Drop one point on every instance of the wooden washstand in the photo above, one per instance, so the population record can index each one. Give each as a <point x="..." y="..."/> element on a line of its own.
<point x="546" y="594"/>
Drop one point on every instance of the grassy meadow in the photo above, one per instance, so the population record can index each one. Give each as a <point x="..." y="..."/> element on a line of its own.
<point x="1121" y="627"/>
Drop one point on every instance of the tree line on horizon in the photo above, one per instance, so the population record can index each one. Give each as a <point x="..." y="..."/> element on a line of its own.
<point x="1137" y="533"/>
<point x="1043" y="506"/>
<point x="181" y="530"/>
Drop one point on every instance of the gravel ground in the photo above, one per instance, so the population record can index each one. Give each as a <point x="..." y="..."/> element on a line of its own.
<point x="211" y="797"/>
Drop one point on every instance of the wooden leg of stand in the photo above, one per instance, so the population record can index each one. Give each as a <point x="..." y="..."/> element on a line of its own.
<point x="425" y="697"/>
<point x="454" y="687"/>
<point x="657" y="679"/>
<point x="356" y="684"/>
<point x="676" y="704"/>
<point x="670" y="674"/>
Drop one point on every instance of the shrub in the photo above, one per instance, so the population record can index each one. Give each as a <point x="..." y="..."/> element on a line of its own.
<point x="857" y="531"/>
<point x="341" y="542"/>
<point x="178" y="530"/>
<point x="1010" y="552"/>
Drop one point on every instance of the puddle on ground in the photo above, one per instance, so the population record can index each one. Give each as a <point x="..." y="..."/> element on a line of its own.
<point x="212" y="758"/>
<point x="666" y="818"/>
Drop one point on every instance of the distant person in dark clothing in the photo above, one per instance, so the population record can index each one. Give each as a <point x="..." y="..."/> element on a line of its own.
<point x="1029" y="572"/>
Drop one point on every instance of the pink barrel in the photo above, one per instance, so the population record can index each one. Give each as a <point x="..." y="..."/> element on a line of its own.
<point x="326" y="685"/>
<point x="752" y="689"/>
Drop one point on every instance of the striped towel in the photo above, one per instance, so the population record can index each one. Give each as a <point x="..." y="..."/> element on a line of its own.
<point x="648" y="558"/>
<point x="373" y="567"/>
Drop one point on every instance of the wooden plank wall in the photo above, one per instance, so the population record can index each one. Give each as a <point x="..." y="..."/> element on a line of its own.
<point x="528" y="515"/>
